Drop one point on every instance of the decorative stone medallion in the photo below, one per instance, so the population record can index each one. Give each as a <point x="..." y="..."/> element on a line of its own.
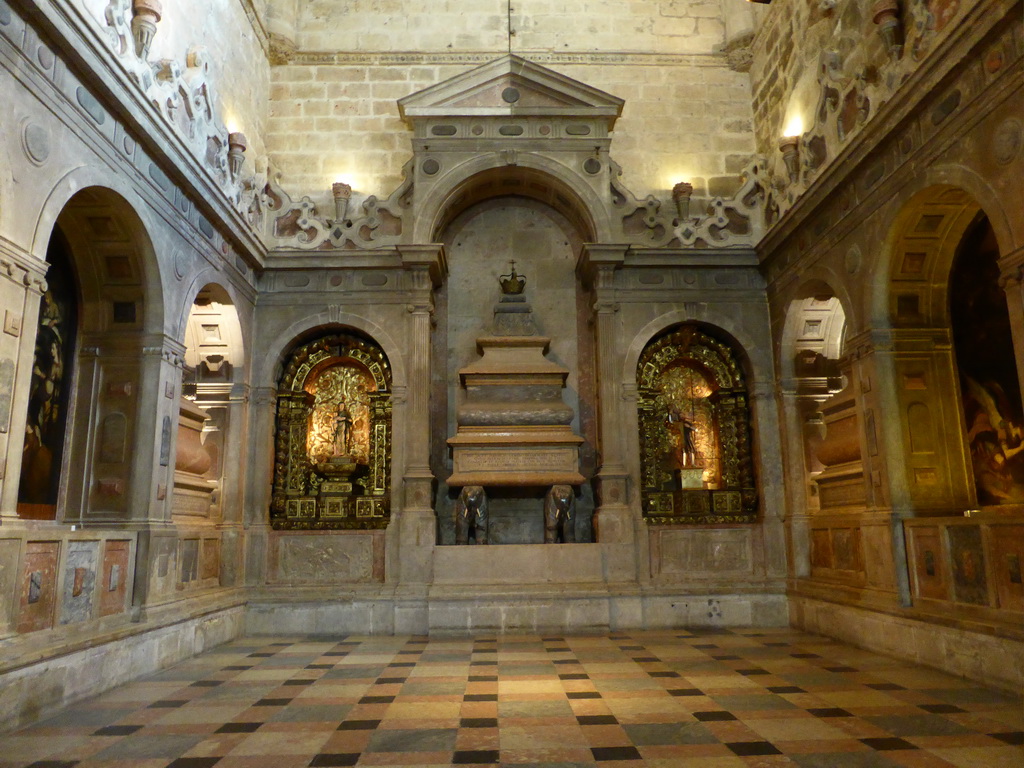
<point x="35" y="140"/>
<point x="1007" y="141"/>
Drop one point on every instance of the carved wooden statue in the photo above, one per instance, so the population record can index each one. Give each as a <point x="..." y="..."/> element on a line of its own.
<point x="471" y="513"/>
<point x="560" y="515"/>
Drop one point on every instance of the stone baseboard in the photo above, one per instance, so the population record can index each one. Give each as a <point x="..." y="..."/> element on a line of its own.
<point x="987" y="659"/>
<point x="528" y="608"/>
<point x="37" y="690"/>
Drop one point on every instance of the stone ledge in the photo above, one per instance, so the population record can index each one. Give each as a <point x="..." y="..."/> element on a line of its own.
<point x="993" y="661"/>
<point x="38" y="690"/>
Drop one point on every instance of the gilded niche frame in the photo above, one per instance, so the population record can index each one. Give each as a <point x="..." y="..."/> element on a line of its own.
<point x="725" y="492"/>
<point x="308" y="494"/>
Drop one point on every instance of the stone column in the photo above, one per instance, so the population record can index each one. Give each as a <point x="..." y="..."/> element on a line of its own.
<point x="258" y="485"/>
<point x="771" y="476"/>
<point x="417" y="528"/>
<point x="614" y="522"/>
<point x="21" y="286"/>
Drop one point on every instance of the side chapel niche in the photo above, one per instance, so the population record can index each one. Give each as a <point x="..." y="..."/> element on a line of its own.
<point x="332" y="467"/>
<point x="694" y="418"/>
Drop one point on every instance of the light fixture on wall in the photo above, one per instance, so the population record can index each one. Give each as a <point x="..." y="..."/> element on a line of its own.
<point x="789" y="146"/>
<point x="236" y="152"/>
<point x="145" y="16"/>
<point x="886" y="16"/>
<point x="681" y="194"/>
<point x="342" y="194"/>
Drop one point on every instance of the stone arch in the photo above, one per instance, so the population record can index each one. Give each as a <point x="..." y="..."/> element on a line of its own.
<point x="111" y="421"/>
<point x="92" y="192"/>
<point x="695" y="424"/>
<point x="268" y="369"/>
<point x="532" y="175"/>
<point x="912" y="297"/>
<point x="816" y="320"/>
<point x="212" y="332"/>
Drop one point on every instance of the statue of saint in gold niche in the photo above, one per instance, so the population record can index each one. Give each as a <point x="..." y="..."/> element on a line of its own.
<point x="332" y="467"/>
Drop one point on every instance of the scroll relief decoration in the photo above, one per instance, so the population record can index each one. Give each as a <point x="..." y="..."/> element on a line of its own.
<point x="184" y="96"/>
<point x="695" y="448"/>
<point x="332" y="466"/>
<point x="716" y="222"/>
<point x="852" y="87"/>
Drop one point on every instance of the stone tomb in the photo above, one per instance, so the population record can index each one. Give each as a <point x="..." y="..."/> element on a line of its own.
<point x="514" y="430"/>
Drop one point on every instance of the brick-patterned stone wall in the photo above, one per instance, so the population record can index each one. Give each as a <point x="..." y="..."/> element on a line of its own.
<point x="334" y="115"/>
<point x="688" y="119"/>
<point x="650" y="26"/>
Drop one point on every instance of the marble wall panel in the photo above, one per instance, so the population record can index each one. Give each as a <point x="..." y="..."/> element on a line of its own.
<point x="928" y="563"/>
<point x="209" y="565"/>
<point x="1008" y="565"/>
<point x="9" y="550"/>
<point x="114" y="585"/>
<point x="79" y="590"/>
<point x="327" y="558"/>
<point x="967" y="558"/>
<point x="38" y="585"/>
<point x="681" y="554"/>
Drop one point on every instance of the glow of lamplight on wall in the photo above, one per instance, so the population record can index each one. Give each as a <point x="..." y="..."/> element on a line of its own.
<point x="794" y="126"/>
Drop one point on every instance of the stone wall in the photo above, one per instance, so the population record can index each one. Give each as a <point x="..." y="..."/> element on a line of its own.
<point x="660" y="26"/>
<point x="685" y="119"/>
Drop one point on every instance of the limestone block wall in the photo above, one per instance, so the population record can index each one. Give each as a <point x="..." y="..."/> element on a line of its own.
<point x="333" y="114"/>
<point x="234" y="37"/>
<point x="672" y="26"/>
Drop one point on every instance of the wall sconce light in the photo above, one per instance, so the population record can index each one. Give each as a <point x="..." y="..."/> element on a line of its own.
<point x="681" y="193"/>
<point x="342" y="193"/>
<point x="145" y="16"/>
<point x="886" y="15"/>
<point x="236" y="152"/>
<point x="790" y="148"/>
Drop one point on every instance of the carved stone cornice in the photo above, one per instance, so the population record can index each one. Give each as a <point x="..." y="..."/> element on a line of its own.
<point x="85" y="49"/>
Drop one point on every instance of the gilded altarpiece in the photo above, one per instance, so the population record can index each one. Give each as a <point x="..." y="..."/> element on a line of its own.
<point x="695" y="449"/>
<point x="332" y="467"/>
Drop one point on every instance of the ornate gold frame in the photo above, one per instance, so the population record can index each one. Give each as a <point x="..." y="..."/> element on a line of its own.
<point x="297" y="502"/>
<point x="736" y="500"/>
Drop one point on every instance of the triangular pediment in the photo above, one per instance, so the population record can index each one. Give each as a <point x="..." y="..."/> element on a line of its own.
<point x="510" y="87"/>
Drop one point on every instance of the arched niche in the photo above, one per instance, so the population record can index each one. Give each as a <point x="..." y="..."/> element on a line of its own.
<point x="944" y="255"/>
<point x="49" y="400"/>
<point x="499" y="216"/>
<point x="214" y="368"/>
<point x="987" y="369"/>
<point x="696" y="461"/>
<point x="332" y="463"/>
<point x="100" y="252"/>
<point x="810" y="365"/>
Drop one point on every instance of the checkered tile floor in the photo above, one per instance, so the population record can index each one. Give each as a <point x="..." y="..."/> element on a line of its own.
<point x="707" y="699"/>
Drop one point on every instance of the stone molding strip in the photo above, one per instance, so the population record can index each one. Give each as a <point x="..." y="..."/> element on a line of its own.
<point x="382" y="58"/>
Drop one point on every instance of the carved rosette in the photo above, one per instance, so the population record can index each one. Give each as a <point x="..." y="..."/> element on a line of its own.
<point x="729" y="494"/>
<point x="303" y="498"/>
